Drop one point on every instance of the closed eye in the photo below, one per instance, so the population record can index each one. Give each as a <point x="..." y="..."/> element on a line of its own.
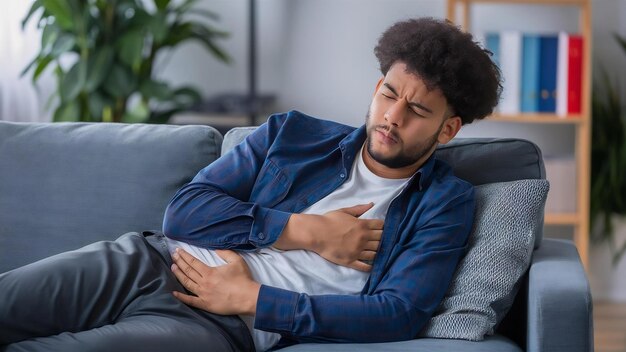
<point x="394" y="98"/>
<point x="417" y="113"/>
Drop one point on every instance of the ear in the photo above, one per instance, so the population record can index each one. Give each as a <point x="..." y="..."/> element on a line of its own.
<point x="451" y="126"/>
<point x="380" y="83"/>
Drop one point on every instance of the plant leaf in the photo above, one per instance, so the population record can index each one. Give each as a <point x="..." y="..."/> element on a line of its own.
<point x="155" y="89"/>
<point x="36" y="6"/>
<point x="49" y="36"/>
<point x="620" y="40"/>
<point x="63" y="44"/>
<point x="67" y="112"/>
<point x="161" y="4"/>
<point x="185" y="6"/>
<point x="130" y="47"/>
<point x="97" y="104"/>
<point x="98" y="67"/>
<point x="186" y="97"/>
<point x="159" y="28"/>
<point x="61" y="11"/>
<point x="183" y="31"/>
<point x="29" y="66"/>
<point x="120" y="82"/>
<point x="41" y="66"/>
<point x="138" y="113"/>
<point x="73" y="82"/>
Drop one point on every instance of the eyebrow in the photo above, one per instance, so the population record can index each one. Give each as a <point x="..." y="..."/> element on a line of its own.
<point x="417" y="105"/>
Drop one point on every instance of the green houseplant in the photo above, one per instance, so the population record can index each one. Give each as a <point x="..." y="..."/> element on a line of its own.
<point x="608" y="157"/>
<point x="112" y="47"/>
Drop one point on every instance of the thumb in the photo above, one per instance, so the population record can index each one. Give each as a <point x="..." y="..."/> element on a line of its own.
<point x="227" y="255"/>
<point x="357" y="210"/>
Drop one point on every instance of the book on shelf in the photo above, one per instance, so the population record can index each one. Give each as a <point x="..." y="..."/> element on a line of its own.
<point x="561" y="74"/>
<point x="547" y="73"/>
<point x="542" y="73"/>
<point x="575" y="75"/>
<point x="510" y="65"/>
<point x="530" y="73"/>
<point x="569" y="79"/>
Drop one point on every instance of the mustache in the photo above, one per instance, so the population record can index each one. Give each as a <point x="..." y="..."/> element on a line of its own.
<point x="391" y="133"/>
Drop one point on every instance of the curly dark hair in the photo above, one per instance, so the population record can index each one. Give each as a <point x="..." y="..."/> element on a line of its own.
<point x="446" y="58"/>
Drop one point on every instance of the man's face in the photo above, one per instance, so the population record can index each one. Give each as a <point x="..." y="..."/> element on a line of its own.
<point x="405" y="122"/>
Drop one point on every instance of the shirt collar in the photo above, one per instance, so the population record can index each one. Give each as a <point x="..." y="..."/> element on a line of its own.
<point x="352" y="143"/>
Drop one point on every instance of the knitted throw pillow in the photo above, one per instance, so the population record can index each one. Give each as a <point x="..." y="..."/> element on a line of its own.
<point x="508" y="216"/>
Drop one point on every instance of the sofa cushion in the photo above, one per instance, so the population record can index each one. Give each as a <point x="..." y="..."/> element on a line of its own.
<point x="508" y="217"/>
<point x="500" y="159"/>
<point x="65" y="185"/>
<point x="495" y="343"/>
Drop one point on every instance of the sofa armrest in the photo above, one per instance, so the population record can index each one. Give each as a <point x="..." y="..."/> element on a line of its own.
<point x="559" y="300"/>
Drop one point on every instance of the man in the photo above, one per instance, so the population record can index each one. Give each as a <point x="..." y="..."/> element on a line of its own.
<point x="335" y="234"/>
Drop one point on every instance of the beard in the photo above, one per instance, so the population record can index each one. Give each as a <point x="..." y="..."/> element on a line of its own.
<point x="404" y="157"/>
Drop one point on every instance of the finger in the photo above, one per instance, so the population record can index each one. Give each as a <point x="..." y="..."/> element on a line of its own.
<point x="374" y="235"/>
<point x="184" y="279"/>
<point x="367" y="255"/>
<point x="374" y="224"/>
<point x="228" y="256"/>
<point x="357" y="210"/>
<point x="372" y="245"/>
<point x="189" y="300"/>
<point x="360" y="266"/>
<point x="187" y="263"/>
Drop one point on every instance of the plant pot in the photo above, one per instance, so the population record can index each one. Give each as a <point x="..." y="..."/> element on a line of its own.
<point x="608" y="282"/>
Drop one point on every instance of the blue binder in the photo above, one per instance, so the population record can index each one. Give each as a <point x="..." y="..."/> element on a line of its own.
<point x="547" y="73"/>
<point x="530" y="73"/>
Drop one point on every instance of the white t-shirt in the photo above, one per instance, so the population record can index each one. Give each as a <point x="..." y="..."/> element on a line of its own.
<point x="304" y="271"/>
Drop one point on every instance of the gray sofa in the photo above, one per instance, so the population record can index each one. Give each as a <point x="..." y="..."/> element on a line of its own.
<point x="63" y="186"/>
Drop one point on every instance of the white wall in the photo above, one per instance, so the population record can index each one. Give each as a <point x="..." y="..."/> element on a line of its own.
<point x="317" y="55"/>
<point x="330" y="68"/>
<point x="192" y="64"/>
<point x="19" y="99"/>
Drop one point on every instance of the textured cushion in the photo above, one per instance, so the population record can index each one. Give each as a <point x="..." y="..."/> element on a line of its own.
<point x="65" y="185"/>
<point x="508" y="216"/>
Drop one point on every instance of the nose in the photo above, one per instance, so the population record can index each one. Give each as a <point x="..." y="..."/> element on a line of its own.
<point x="396" y="113"/>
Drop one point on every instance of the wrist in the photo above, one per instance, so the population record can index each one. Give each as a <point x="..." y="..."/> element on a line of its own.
<point x="298" y="233"/>
<point x="253" y="298"/>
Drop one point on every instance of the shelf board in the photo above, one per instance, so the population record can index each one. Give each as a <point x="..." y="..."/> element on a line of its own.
<point x="538" y="2"/>
<point x="561" y="219"/>
<point x="538" y="118"/>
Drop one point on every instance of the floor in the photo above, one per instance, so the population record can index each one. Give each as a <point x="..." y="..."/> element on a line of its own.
<point x="609" y="320"/>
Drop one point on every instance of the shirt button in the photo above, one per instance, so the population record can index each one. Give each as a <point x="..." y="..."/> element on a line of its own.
<point x="261" y="235"/>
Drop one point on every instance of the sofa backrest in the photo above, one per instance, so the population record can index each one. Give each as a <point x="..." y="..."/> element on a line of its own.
<point x="65" y="185"/>
<point x="476" y="160"/>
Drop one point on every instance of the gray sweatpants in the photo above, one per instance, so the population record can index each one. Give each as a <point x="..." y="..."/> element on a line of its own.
<point x="109" y="296"/>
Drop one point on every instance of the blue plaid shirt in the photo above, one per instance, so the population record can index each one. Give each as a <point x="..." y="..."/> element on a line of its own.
<point x="243" y="200"/>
